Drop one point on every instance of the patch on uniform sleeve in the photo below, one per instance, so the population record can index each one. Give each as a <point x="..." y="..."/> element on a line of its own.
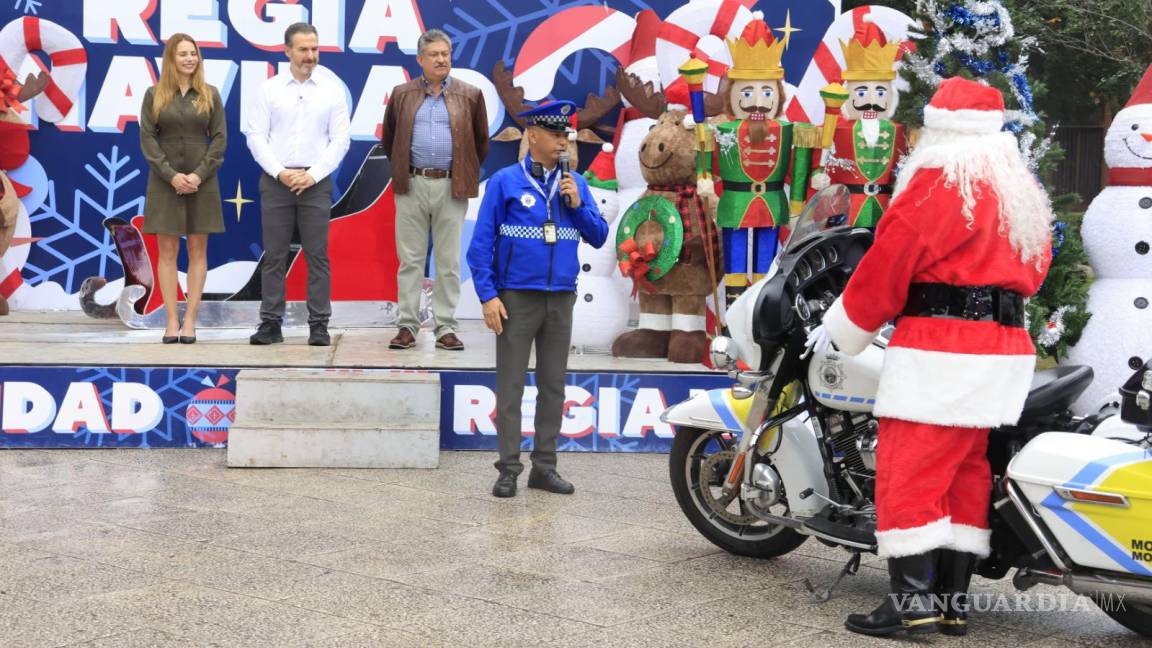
<point x="528" y="200"/>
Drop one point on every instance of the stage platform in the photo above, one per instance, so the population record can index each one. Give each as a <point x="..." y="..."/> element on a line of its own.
<point x="72" y="338"/>
<point x="68" y="380"/>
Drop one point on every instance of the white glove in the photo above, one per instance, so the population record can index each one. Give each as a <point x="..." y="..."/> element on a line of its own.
<point x="706" y="187"/>
<point x="689" y="121"/>
<point x="820" y="181"/>
<point x="818" y="340"/>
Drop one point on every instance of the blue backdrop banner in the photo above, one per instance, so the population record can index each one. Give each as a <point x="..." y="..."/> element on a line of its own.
<point x="603" y="412"/>
<point x="86" y="165"/>
<point x="109" y="407"/>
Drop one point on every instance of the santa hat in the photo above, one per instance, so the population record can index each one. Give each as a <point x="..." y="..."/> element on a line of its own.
<point x="677" y="95"/>
<point x="602" y="172"/>
<point x="965" y="106"/>
<point x="1143" y="92"/>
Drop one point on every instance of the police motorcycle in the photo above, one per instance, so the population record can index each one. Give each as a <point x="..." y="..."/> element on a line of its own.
<point x="789" y="451"/>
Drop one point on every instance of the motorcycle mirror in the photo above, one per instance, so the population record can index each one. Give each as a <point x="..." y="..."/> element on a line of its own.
<point x="722" y="352"/>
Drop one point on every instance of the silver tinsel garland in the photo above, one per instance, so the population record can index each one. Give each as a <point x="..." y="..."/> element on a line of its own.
<point x="992" y="25"/>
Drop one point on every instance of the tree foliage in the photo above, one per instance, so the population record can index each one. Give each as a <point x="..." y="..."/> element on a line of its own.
<point x="1095" y="52"/>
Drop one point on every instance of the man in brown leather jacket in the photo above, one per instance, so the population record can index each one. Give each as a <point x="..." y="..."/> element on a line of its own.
<point x="436" y="134"/>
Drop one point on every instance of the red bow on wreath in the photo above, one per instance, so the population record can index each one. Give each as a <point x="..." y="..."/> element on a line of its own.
<point x="636" y="264"/>
<point x="9" y="90"/>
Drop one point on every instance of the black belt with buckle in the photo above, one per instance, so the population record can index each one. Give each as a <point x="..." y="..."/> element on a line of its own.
<point x="435" y="174"/>
<point x="869" y="189"/>
<point x="976" y="303"/>
<point x="754" y="187"/>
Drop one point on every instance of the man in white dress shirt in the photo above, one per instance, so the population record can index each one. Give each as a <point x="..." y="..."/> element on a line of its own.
<point x="298" y="134"/>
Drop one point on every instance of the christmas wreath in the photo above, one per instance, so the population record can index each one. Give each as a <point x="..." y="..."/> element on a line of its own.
<point x="646" y="262"/>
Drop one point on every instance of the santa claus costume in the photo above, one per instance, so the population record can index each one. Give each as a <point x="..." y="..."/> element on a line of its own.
<point x="965" y="240"/>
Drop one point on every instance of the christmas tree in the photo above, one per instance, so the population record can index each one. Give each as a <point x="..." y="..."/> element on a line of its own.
<point x="976" y="39"/>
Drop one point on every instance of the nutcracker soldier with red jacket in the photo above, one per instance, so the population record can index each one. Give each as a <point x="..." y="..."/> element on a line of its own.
<point x="864" y="147"/>
<point x="965" y="241"/>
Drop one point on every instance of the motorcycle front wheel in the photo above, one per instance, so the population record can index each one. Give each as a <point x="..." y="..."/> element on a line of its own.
<point x="697" y="464"/>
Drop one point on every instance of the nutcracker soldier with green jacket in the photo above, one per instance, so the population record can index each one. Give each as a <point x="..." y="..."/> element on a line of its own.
<point x="764" y="160"/>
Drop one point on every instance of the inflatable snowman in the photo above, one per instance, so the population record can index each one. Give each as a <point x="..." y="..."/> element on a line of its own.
<point x="602" y="295"/>
<point x="1117" y="233"/>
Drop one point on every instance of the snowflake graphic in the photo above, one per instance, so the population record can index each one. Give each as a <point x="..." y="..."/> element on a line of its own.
<point x="68" y="252"/>
<point x="30" y="6"/>
<point x="487" y="31"/>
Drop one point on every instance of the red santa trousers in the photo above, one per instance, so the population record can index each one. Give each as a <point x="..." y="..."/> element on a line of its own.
<point x="933" y="486"/>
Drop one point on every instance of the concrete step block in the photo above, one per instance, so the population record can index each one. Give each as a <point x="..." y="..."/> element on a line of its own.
<point x="383" y="397"/>
<point x="335" y="418"/>
<point x="341" y="446"/>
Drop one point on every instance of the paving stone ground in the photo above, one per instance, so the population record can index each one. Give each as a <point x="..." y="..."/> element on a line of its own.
<point x="157" y="548"/>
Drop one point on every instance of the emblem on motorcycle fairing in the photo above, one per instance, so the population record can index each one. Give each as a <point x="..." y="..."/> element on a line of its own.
<point x="831" y="373"/>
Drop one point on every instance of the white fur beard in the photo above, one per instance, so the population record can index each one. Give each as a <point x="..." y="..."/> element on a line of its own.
<point x="994" y="161"/>
<point x="870" y="129"/>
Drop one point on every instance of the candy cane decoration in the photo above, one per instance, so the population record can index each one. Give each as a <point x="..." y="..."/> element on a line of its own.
<point x="564" y="34"/>
<point x="684" y="33"/>
<point x="66" y="53"/>
<point x="827" y="64"/>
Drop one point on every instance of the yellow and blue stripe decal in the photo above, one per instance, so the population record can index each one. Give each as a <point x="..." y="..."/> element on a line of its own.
<point x="846" y="398"/>
<point x="730" y="409"/>
<point x="1128" y="474"/>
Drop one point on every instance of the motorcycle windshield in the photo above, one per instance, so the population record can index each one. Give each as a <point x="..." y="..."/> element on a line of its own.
<point x="827" y="209"/>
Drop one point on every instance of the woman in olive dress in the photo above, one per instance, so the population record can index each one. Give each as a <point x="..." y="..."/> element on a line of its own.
<point x="183" y="137"/>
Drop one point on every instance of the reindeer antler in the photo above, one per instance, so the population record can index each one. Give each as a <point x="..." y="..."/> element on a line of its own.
<point x="595" y="107"/>
<point x="33" y="86"/>
<point x="511" y="96"/>
<point x="640" y="94"/>
<point x="717" y="103"/>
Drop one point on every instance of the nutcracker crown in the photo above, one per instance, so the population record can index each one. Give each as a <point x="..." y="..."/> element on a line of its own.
<point x="756" y="54"/>
<point x="868" y="56"/>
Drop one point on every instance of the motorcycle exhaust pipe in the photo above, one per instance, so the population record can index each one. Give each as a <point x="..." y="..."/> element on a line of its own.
<point x="1088" y="584"/>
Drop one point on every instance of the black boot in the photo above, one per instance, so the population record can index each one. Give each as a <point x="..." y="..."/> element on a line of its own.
<point x="909" y="608"/>
<point x="318" y="334"/>
<point x="955" y="574"/>
<point x="267" y="333"/>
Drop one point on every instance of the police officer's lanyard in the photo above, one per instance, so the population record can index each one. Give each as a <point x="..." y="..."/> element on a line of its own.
<point x="549" y="227"/>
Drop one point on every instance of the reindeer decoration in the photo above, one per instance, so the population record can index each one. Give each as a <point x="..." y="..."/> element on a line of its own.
<point x="667" y="242"/>
<point x="587" y="118"/>
<point x="14" y="150"/>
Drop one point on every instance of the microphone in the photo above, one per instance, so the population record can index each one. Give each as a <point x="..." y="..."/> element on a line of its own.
<point x="565" y="169"/>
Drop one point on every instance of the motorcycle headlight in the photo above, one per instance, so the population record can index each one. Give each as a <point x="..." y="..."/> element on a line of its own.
<point x="1146" y="381"/>
<point x="723" y="353"/>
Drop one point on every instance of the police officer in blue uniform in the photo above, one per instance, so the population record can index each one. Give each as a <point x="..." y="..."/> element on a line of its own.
<point x="524" y="267"/>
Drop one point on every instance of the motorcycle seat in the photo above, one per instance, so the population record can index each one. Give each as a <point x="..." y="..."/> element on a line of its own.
<point x="1054" y="390"/>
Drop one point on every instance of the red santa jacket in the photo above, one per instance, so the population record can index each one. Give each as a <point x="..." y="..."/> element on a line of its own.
<point x="937" y="370"/>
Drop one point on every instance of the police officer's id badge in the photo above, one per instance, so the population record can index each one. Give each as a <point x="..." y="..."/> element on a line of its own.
<point x="550" y="232"/>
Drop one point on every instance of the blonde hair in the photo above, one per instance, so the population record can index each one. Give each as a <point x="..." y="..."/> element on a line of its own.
<point x="169" y="85"/>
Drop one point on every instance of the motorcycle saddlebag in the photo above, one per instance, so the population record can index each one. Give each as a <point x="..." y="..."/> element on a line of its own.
<point x="1136" y="397"/>
<point x="1094" y="495"/>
